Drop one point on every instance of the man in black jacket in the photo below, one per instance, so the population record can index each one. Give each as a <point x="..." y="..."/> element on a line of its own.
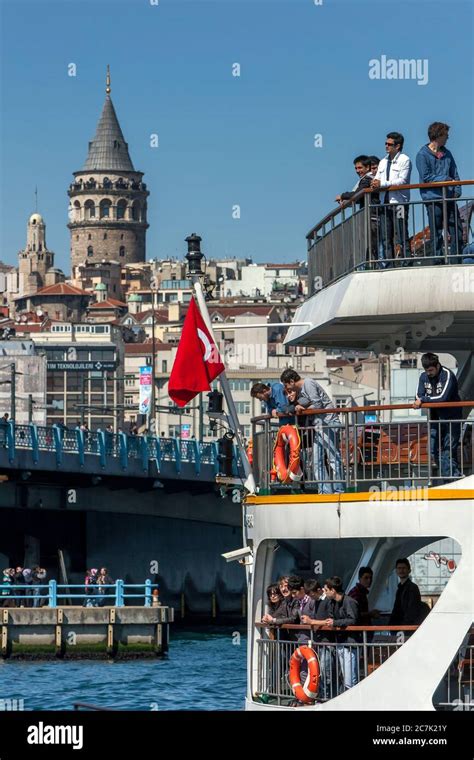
<point x="407" y="609"/>
<point x="438" y="385"/>
<point x="340" y="656"/>
<point x="362" y="167"/>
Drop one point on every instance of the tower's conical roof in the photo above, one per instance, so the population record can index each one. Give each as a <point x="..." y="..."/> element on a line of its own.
<point x="108" y="150"/>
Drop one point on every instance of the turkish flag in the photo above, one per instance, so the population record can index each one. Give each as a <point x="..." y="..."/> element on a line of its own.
<point x="197" y="361"/>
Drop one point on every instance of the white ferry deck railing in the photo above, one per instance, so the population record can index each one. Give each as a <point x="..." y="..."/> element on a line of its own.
<point x="344" y="663"/>
<point x="362" y="234"/>
<point x="349" y="454"/>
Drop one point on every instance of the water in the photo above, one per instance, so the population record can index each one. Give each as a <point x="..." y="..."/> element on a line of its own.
<point x="203" y="671"/>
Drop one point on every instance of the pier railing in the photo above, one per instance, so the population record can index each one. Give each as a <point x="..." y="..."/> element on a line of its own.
<point x="364" y="234"/>
<point x="344" y="663"/>
<point x="53" y="594"/>
<point x="339" y="451"/>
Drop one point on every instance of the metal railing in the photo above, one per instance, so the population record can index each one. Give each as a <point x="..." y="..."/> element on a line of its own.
<point x="340" y="452"/>
<point x="380" y="235"/>
<point x="343" y="663"/>
<point x="104" y="445"/>
<point x="53" y="594"/>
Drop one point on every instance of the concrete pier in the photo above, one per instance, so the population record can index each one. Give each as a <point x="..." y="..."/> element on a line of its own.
<point x="74" y="632"/>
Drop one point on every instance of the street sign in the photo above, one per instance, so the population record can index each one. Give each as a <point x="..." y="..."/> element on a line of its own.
<point x="97" y="366"/>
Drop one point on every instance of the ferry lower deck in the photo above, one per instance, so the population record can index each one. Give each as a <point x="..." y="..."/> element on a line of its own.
<point x="427" y="667"/>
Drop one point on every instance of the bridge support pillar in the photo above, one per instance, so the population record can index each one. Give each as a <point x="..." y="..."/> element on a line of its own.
<point x="32" y="551"/>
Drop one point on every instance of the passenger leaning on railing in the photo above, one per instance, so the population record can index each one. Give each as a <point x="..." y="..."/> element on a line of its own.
<point x="321" y="433"/>
<point x="336" y="610"/>
<point x="275" y="400"/>
<point x="435" y="163"/>
<point x="438" y="384"/>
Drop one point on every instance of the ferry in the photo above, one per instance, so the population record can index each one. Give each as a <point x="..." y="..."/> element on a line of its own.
<point x="365" y="485"/>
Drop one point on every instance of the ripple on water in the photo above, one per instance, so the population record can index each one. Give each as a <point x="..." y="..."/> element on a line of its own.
<point x="196" y="659"/>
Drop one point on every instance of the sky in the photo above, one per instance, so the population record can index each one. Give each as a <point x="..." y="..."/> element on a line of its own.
<point x="224" y="141"/>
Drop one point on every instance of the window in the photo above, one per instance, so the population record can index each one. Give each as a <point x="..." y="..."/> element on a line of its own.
<point x="341" y="402"/>
<point x="164" y="365"/>
<point x="121" y="206"/>
<point x="129" y="380"/>
<point x="128" y="400"/>
<point x="105" y="236"/>
<point x="90" y="250"/>
<point x="239" y="384"/>
<point x="122" y="250"/>
<point x="105" y="209"/>
<point x="89" y="237"/>
<point x="243" y="407"/>
<point x="89" y="209"/>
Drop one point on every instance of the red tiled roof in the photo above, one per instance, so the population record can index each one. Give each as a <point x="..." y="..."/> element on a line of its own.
<point x="61" y="289"/>
<point x="237" y="311"/>
<point x="109" y="303"/>
<point x="145" y="348"/>
<point x="161" y="315"/>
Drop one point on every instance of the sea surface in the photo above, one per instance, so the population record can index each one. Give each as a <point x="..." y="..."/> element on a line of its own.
<point x="203" y="670"/>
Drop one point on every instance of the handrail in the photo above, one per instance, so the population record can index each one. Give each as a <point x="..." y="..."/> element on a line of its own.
<point x="378" y="408"/>
<point x="365" y="191"/>
<point x="301" y="627"/>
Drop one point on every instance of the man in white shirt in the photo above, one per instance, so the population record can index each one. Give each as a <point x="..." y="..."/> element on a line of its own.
<point x="393" y="170"/>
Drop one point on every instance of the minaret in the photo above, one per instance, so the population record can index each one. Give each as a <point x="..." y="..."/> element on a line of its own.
<point x="108" y="200"/>
<point x="35" y="259"/>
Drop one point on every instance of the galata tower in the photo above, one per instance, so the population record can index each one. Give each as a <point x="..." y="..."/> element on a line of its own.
<point x="108" y="200"/>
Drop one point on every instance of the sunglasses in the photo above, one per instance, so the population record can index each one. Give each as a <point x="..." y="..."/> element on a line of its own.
<point x="391" y="145"/>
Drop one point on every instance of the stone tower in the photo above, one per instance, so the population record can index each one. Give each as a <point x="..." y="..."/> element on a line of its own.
<point x="34" y="260"/>
<point x="108" y="200"/>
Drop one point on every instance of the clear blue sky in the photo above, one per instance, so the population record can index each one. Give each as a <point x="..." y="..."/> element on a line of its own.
<point x="222" y="140"/>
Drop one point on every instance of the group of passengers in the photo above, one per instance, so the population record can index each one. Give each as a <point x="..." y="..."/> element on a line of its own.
<point x="294" y="601"/>
<point x="321" y="433"/>
<point x="96" y="582"/>
<point x="390" y="242"/>
<point x="20" y="586"/>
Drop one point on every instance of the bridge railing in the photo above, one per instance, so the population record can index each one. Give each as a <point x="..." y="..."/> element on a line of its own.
<point x="104" y="445"/>
<point x="337" y="450"/>
<point x="346" y="657"/>
<point x="53" y="594"/>
<point x="364" y="234"/>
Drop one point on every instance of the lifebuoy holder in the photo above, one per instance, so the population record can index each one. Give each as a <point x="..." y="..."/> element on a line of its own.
<point x="308" y="691"/>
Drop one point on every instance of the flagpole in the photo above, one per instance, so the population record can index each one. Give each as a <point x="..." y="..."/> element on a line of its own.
<point x="236" y="426"/>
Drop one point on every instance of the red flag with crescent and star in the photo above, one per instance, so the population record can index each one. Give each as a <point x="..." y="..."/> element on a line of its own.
<point x="197" y="361"/>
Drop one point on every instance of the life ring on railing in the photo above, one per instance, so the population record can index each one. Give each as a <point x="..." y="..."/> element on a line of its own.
<point x="308" y="691"/>
<point x="250" y="451"/>
<point x="288" y="434"/>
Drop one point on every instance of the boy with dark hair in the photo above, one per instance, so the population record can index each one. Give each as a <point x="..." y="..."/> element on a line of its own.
<point x="360" y="593"/>
<point x="408" y="606"/>
<point x="435" y="163"/>
<point x="275" y="400"/>
<point x="362" y="167"/>
<point x="438" y="384"/>
<point x="308" y="394"/>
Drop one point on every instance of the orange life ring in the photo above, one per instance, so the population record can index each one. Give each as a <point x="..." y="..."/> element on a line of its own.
<point x="287" y="434"/>
<point x="250" y="451"/>
<point x="308" y="691"/>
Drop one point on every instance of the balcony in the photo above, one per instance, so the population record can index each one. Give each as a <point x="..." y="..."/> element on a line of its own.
<point x="365" y="449"/>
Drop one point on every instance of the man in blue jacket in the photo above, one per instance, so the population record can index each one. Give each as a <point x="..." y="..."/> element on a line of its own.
<point x="275" y="400"/>
<point x="438" y="385"/>
<point x="435" y="163"/>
